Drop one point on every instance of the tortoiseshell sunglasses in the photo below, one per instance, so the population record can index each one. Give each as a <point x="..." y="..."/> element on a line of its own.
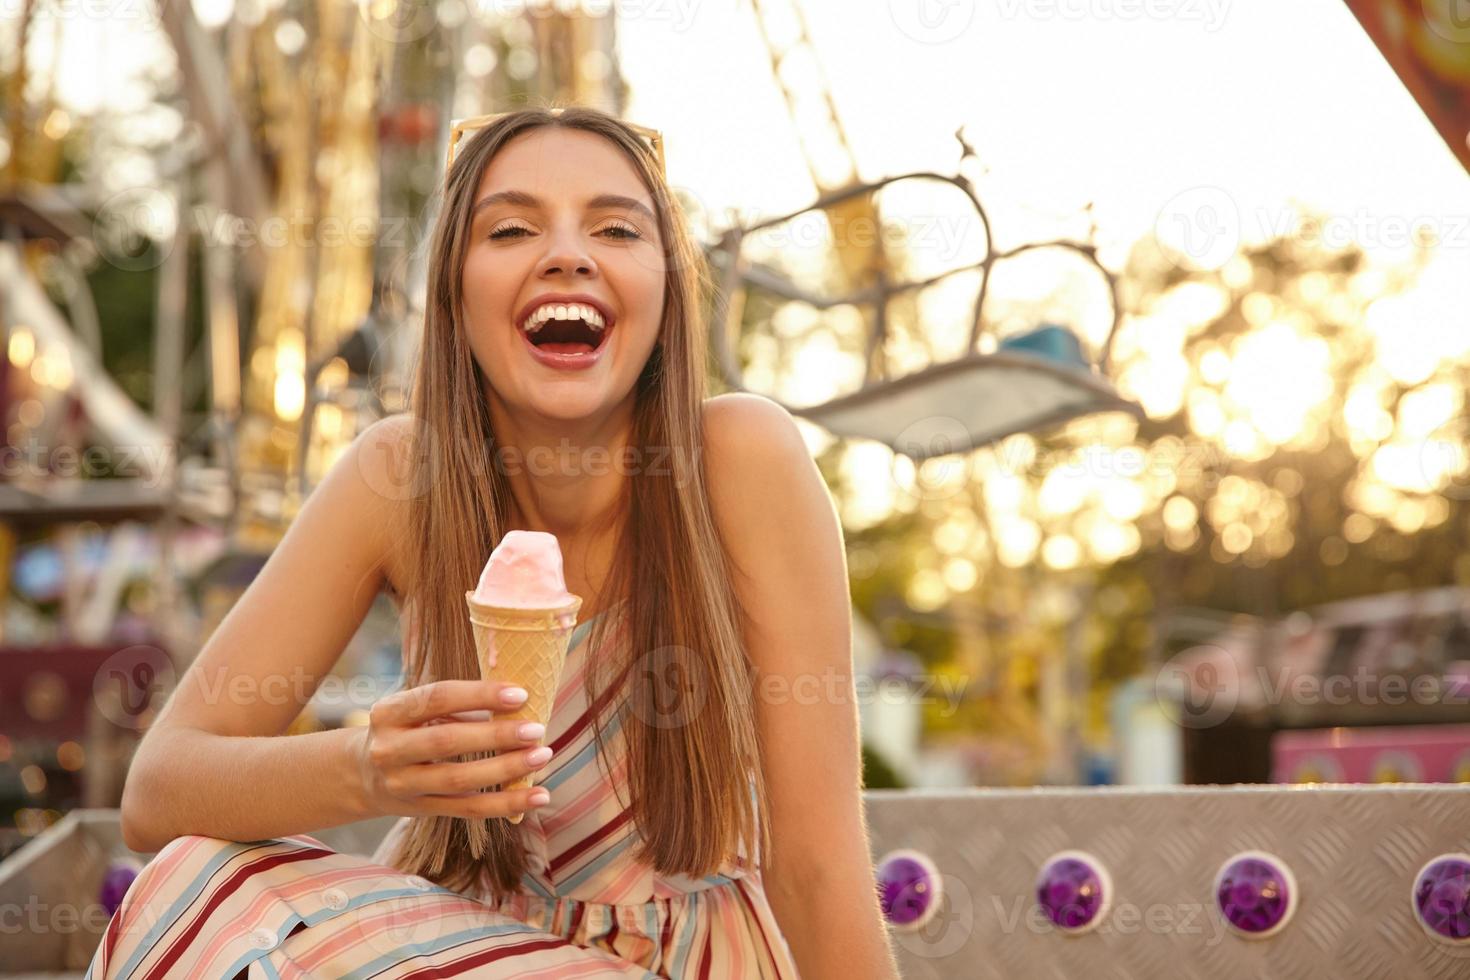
<point x="460" y="127"/>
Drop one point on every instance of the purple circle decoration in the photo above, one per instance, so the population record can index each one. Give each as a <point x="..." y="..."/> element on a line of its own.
<point x="116" y="881"/>
<point x="1256" y="893"/>
<point x="909" y="889"/>
<point x="1074" y="890"/>
<point x="1442" y="897"/>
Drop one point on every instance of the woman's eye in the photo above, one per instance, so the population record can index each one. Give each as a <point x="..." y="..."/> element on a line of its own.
<point x="623" y="231"/>
<point x="627" y="233"/>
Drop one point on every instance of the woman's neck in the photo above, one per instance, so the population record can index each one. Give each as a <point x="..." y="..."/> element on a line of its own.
<point x="566" y="476"/>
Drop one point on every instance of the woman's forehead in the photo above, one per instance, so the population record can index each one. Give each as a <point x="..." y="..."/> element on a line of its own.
<point x="552" y="163"/>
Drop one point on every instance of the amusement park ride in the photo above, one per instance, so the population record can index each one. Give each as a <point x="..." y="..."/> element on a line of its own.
<point x="1201" y="881"/>
<point x="1030" y="382"/>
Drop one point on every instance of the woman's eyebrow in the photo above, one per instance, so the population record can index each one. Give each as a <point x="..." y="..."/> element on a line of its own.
<point x="531" y="201"/>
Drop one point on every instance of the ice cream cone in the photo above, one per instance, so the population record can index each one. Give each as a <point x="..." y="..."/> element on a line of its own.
<point x="527" y="647"/>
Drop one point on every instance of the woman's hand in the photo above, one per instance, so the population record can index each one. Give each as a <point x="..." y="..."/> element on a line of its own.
<point x="409" y="731"/>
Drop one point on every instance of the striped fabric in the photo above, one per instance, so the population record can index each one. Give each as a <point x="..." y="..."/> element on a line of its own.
<point x="293" y="908"/>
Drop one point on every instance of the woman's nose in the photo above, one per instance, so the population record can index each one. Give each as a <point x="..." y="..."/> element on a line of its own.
<point x="566" y="253"/>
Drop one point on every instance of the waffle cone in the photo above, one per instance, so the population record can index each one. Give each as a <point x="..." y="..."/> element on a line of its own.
<point x="527" y="647"/>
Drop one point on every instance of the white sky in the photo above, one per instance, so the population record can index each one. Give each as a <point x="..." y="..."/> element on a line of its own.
<point x="1067" y="102"/>
<point x="1241" y="106"/>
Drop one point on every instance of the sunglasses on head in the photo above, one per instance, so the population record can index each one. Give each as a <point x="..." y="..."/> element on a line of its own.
<point x="459" y="128"/>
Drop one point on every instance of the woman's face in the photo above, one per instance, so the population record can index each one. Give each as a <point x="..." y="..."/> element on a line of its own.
<point x="558" y="212"/>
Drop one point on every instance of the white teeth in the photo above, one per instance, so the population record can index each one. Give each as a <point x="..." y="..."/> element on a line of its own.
<point x="570" y="311"/>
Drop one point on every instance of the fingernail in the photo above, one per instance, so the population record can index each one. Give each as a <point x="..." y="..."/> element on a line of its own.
<point x="514" y="695"/>
<point x="531" y="731"/>
<point x="539" y="797"/>
<point x="539" y="756"/>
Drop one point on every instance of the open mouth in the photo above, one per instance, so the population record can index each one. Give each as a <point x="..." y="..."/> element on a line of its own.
<point x="570" y="336"/>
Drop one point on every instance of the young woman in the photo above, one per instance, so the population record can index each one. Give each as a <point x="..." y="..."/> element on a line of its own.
<point x="701" y="813"/>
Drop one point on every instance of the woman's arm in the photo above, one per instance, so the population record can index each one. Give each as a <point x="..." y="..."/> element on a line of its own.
<point x="782" y="531"/>
<point x="215" y="762"/>
<point x="243" y="788"/>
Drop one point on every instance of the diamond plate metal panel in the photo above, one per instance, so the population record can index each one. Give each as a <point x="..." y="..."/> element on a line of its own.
<point x="1354" y="851"/>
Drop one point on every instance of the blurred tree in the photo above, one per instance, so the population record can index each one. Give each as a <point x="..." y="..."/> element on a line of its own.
<point x="1305" y="442"/>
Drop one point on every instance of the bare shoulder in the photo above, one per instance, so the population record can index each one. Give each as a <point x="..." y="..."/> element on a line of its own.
<point x="743" y="429"/>
<point x="763" y="482"/>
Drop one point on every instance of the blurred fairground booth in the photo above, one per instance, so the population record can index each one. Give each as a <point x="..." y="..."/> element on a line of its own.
<point x="1144" y="415"/>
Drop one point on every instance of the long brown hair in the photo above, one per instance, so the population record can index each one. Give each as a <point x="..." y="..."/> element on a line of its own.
<point x="697" y="794"/>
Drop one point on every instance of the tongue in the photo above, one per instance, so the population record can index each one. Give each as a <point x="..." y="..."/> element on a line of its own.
<point x="557" y="347"/>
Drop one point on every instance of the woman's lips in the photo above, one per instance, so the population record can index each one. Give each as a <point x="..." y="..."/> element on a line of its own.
<point x="568" y="362"/>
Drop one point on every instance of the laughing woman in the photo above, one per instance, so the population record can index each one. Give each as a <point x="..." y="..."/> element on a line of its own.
<point x="700" y="813"/>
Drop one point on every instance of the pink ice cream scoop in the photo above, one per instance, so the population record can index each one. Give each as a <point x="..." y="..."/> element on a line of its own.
<point x="524" y="572"/>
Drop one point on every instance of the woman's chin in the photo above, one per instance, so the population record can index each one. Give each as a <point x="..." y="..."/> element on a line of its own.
<point x="568" y="400"/>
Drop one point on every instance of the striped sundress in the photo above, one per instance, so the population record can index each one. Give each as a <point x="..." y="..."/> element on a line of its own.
<point x="293" y="908"/>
